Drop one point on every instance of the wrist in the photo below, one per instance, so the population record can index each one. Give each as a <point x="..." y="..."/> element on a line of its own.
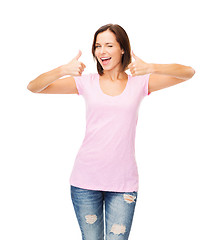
<point x="151" y="68"/>
<point x="63" y="70"/>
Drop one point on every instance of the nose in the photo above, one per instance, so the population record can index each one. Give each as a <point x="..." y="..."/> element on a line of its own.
<point x="102" y="50"/>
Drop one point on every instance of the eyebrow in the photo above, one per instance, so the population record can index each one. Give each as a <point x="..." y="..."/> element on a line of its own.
<point x="105" y="43"/>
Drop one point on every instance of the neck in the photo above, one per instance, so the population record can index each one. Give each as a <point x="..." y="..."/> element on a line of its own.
<point x="114" y="75"/>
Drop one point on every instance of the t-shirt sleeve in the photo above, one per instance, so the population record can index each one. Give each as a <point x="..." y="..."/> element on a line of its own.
<point x="146" y="84"/>
<point x="80" y="83"/>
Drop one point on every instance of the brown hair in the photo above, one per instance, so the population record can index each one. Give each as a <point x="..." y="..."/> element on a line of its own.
<point x="121" y="38"/>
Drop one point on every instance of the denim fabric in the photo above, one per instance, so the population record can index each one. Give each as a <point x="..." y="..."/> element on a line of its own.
<point x="91" y="206"/>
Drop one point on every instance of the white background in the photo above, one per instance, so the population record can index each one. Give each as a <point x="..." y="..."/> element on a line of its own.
<point x="179" y="131"/>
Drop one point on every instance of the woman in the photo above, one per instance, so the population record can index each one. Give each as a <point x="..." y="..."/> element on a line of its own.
<point x="105" y="171"/>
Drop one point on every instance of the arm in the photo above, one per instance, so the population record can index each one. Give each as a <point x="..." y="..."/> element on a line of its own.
<point x="50" y="82"/>
<point x="173" y="70"/>
<point x="45" y="79"/>
<point x="139" y="67"/>
<point x="161" y="75"/>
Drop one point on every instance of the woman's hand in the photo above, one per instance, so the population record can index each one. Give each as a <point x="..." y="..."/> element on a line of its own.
<point x="74" y="67"/>
<point x="139" y="67"/>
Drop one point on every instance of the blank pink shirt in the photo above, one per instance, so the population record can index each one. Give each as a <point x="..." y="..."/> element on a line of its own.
<point x="106" y="158"/>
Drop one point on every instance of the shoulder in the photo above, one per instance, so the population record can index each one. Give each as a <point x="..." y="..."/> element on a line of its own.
<point x="86" y="77"/>
<point x="141" y="82"/>
<point x="140" y="79"/>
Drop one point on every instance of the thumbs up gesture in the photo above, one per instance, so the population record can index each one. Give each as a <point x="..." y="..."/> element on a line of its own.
<point x="138" y="67"/>
<point x="75" y="67"/>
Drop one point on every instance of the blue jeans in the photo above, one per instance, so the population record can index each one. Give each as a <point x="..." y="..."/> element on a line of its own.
<point x="119" y="210"/>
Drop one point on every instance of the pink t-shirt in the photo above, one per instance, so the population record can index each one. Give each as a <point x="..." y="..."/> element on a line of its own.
<point x="106" y="159"/>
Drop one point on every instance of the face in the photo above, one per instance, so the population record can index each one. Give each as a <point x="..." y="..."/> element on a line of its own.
<point x="108" y="51"/>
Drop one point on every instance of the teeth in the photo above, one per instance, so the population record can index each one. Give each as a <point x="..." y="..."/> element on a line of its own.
<point x="105" y="58"/>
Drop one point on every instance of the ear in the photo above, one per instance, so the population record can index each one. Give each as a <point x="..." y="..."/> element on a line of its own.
<point x="123" y="51"/>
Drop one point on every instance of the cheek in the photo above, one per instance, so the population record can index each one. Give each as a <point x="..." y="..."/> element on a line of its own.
<point x="96" y="54"/>
<point x="116" y="54"/>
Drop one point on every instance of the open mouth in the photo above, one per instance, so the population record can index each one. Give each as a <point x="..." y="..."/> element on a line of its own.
<point x="105" y="61"/>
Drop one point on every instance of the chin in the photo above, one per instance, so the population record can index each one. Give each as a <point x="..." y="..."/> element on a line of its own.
<point x="107" y="68"/>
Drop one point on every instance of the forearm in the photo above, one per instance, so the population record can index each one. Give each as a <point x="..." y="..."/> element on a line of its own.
<point x="45" y="79"/>
<point x="175" y="70"/>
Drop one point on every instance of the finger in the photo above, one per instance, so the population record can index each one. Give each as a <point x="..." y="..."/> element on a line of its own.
<point x="82" y="68"/>
<point x="131" y="71"/>
<point x="130" y="65"/>
<point x="78" y="55"/>
<point x="83" y="65"/>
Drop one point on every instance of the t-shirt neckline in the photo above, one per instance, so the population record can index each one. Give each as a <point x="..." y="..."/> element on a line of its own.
<point x="99" y="87"/>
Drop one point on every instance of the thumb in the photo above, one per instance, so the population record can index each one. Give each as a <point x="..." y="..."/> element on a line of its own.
<point x="134" y="56"/>
<point x="78" y="55"/>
